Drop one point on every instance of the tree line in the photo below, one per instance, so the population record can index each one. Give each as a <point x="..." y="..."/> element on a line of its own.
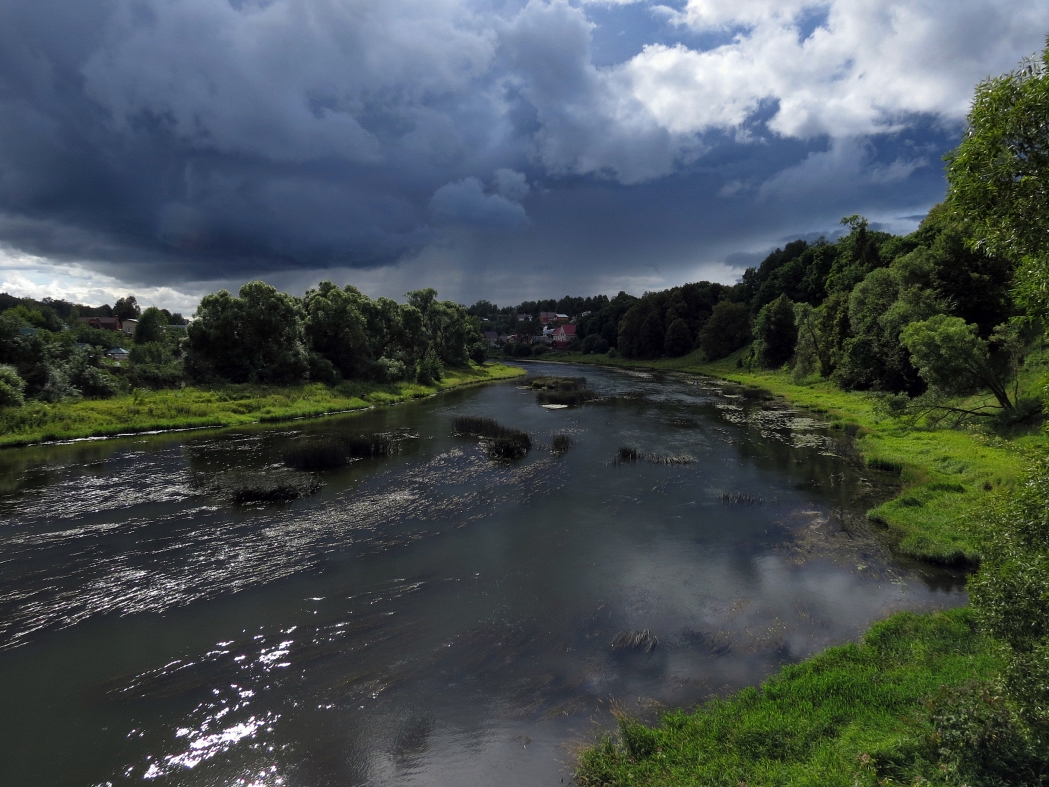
<point x="260" y="335"/>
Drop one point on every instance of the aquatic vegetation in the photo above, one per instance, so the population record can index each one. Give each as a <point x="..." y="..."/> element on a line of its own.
<point x="569" y="398"/>
<point x="561" y="444"/>
<point x="643" y="640"/>
<point x="367" y="446"/>
<point x="326" y="455"/>
<point x="550" y="383"/>
<point x="267" y="485"/>
<point x="628" y="453"/>
<point x="741" y="499"/>
<point x="501" y="442"/>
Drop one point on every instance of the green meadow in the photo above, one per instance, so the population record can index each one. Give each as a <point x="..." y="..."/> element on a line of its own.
<point x="223" y="405"/>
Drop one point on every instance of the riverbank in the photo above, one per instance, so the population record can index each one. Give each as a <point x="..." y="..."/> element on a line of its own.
<point x="219" y="406"/>
<point x="852" y="716"/>
<point x="946" y="473"/>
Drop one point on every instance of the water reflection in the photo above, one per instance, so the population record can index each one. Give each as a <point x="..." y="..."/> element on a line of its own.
<point x="430" y="616"/>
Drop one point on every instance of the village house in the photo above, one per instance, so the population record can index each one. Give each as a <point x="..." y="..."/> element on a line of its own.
<point x="492" y="338"/>
<point x="563" y="335"/>
<point x="128" y="327"/>
<point x="118" y="354"/>
<point x="524" y="317"/>
<point x="103" y="323"/>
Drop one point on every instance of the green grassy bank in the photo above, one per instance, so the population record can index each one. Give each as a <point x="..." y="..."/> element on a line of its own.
<point x="227" y="405"/>
<point x="853" y="716"/>
<point x="945" y="472"/>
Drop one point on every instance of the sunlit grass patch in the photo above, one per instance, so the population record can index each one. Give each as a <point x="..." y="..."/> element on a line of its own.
<point x="852" y="715"/>
<point x="228" y="405"/>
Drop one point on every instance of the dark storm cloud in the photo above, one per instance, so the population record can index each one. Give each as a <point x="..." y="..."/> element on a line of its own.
<point x="473" y="144"/>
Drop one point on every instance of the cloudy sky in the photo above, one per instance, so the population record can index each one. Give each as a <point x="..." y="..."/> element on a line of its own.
<point x="489" y="148"/>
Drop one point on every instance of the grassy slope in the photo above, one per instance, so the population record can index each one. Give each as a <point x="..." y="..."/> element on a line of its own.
<point x="228" y="405"/>
<point x="945" y="472"/>
<point x="850" y="716"/>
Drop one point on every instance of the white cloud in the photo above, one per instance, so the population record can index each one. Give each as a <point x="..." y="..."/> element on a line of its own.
<point x="867" y="69"/>
<point x="29" y="276"/>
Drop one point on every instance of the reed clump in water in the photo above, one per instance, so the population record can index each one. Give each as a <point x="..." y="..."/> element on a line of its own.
<point x="254" y="487"/>
<point x="501" y="442"/>
<point x="569" y="391"/>
<point x="551" y="383"/>
<point x="741" y="499"/>
<point x="561" y="444"/>
<point x="628" y="453"/>
<point x="643" y="640"/>
<point x="326" y="455"/>
<point x="331" y="454"/>
<point x="571" y="398"/>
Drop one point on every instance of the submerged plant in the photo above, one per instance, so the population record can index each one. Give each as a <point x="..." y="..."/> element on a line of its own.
<point x="644" y="641"/>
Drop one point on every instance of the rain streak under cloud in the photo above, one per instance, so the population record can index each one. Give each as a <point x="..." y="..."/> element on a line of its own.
<point x="489" y="149"/>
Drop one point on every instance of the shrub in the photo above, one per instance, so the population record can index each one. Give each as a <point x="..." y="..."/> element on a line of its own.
<point x="430" y="369"/>
<point x="12" y="388"/>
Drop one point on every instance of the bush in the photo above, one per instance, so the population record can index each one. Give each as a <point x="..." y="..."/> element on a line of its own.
<point x="540" y="349"/>
<point x="12" y="388"/>
<point x="430" y="369"/>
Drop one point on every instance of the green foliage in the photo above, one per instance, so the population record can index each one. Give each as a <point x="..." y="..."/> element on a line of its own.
<point x="678" y="339"/>
<point x="1011" y="594"/>
<point x="595" y="343"/>
<point x="12" y="388"/>
<point x="997" y="174"/>
<point x="150" y="326"/>
<point x="726" y="331"/>
<point x="127" y="308"/>
<point x="952" y="357"/>
<point x="775" y="332"/>
<point x="255" y="337"/>
<point x="852" y="715"/>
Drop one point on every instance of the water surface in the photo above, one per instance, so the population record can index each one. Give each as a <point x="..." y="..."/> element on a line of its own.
<point x="431" y="618"/>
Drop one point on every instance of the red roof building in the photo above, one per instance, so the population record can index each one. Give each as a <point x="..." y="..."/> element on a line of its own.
<point x="563" y="335"/>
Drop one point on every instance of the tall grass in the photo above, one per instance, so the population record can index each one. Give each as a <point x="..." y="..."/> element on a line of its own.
<point x="254" y="487"/>
<point x="628" y="453"/>
<point x="501" y="442"/>
<point x="851" y="716"/>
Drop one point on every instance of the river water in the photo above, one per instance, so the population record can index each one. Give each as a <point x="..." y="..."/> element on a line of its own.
<point x="430" y="618"/>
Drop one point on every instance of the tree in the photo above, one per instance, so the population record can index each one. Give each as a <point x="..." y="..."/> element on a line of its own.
<point x="255" y="337"/>
<point x="952" y="357"/>
<point x="150" y="326"/>
<point x="678" y="339"/>
<point x="999" y="175"/>
<point x="335" y="327"/>
<point x="726" y="331"/>
<point x="776" y="333"/>
<point x="127" y="308"/>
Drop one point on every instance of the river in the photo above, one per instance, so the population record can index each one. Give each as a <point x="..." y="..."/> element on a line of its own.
<point x="433" y="617"/>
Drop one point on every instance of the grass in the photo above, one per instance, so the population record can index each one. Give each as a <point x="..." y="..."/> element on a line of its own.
<point x="945" y="472"/>
<point x="852" y="716"/>
<point x="229" y="405"/>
